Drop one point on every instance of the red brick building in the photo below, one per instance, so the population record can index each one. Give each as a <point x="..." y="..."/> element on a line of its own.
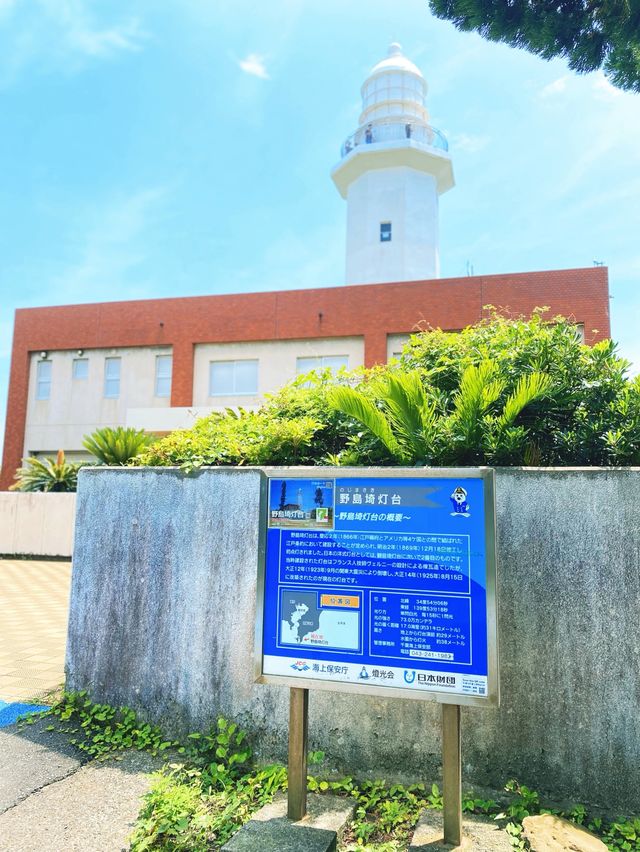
<point x="158" y="363"/>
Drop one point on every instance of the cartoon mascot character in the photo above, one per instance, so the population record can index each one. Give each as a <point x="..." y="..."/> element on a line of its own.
<point x="459" y="501"/>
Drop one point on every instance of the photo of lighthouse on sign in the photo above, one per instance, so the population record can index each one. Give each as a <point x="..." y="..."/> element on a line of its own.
<point x="301" y="503"/>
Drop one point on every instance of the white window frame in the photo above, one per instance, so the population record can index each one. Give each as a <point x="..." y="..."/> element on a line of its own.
<point x="163" y="376"/>
<point x="109" y="380"/>
<point x="74" y="375"/>
<point x="320" y="363"/>
<point x="43" y="382"/>
<point x="234" y="391"/>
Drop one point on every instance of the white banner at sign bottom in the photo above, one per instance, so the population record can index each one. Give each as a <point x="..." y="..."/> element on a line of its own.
<point x="379" y="676"/>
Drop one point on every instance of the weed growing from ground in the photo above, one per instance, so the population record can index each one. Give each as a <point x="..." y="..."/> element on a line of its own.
<point x="212" y="786"/>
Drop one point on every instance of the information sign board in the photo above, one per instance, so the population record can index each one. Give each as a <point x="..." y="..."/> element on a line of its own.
<point x="380" y="581"/>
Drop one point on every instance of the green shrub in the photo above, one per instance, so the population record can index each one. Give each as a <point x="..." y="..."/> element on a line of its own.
<point x="46" y="474"/>
<point x="589" y="414"/>
<point x="117" y="446"/>
<point x="405" y="417"/>
<point x="503" y="392"/>
<point x="293" y="426"/>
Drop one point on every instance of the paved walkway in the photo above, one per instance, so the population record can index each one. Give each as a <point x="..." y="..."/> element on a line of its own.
<point x="34" y="605"/>
<point x="51" y="801"/>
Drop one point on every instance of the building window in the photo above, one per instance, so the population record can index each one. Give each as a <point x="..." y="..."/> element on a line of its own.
<point x="385" y="232"/>
<point x="227" y="378"/>
<point x="80" y="369"/>
<point x="321" y="362"/>
<point x="43" y="380"/>
<point x="163" y="375"/>
<point x="112" y="378"/>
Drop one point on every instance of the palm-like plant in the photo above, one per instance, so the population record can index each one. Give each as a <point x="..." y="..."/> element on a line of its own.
<point x="416" y="427"/>
<point x="404" y="420"/>
<point x="474" y="431"/>
<point x="117" y="446"/>
<point x="47" y="474"/>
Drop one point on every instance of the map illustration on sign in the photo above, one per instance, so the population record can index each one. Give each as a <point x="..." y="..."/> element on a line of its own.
<point x="381" y="582"/>
<point x="319" y="620"/>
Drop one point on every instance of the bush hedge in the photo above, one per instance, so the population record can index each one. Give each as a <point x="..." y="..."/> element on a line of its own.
<point x="508" y="392"/>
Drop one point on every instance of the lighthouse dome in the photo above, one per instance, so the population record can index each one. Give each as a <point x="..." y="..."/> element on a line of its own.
<point x="396" y="61"/>
<point x="395" y="88"/>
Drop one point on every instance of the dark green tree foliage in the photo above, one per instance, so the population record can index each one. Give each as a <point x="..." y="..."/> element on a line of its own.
<point x="590" y="34"/>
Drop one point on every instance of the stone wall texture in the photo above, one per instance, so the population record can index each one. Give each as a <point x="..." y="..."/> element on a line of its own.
<point x="163" y="617"/>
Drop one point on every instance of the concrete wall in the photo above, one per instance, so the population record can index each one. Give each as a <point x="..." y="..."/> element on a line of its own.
<point x="163" y="607"/>
<point x="36" y="524"/>
<point x="76" y="407"/>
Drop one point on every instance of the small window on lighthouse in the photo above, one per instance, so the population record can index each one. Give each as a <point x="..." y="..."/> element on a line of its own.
<point x="385" y="232"/>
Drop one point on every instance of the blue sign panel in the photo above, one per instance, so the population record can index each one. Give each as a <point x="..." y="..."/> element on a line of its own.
<point x="382" y="581"/>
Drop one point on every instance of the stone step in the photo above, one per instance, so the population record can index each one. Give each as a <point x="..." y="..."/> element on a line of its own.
<point x="549" y="833"/>
<point x="269" y="830"/>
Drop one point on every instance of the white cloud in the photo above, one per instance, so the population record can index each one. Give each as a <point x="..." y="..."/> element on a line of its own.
<point x="104" y="42"/>
<point x="557" y="87"/>
<point x="84" y="34"/>
<point x="254" y="64"/>
<point x="60" y="34"/>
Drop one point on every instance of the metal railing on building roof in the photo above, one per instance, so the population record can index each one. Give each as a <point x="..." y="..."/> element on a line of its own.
<point x="395" y="131"/>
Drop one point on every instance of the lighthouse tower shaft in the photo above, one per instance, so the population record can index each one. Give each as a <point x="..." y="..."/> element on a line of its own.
<point x="392" y="171"/>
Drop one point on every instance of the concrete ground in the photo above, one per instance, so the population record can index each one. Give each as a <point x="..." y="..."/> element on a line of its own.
<point x="50" y="799"/>
<point x="34" y="606"/>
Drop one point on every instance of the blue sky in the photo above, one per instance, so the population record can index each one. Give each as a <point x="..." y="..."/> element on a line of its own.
<point x="184" y="148"/>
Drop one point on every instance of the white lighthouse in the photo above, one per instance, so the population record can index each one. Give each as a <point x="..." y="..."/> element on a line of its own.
<point x="391" y="172"/>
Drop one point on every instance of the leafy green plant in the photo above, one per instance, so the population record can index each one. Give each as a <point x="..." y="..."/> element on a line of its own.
<point x="417" y="428"/>
<point x="622" y="834"/>
<point x="222" y="752"/>
<point x="46" y="474"/>
<point x="236" y="437"/>
<point x="588" y="415"/>
<point x="400" y="415"/>
<point x="502" y="392"/>
<point x="117" y="446"/>
<point x="181" y="812"/>
<point x="99" y="729"/>
<point x="587" y="35"/>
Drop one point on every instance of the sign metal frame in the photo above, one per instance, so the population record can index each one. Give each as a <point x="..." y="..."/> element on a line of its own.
<point x="492" y="698"/>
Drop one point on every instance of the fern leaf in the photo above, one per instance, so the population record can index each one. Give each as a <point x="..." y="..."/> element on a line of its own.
<point x="354" y="404"/>
<point x="528" y="389"/>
